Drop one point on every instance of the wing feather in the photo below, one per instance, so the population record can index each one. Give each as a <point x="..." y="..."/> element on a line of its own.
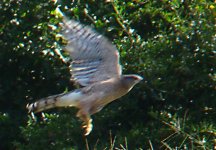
<point x="94" y="57"/>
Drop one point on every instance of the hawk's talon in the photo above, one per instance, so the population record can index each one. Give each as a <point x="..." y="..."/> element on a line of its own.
<point x="87" y="122"/>
<point x="88" y="129"/>
<point x="87" y="126"/>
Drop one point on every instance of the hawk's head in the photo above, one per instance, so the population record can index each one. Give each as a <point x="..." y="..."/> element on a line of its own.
<point x="130" y="80"/>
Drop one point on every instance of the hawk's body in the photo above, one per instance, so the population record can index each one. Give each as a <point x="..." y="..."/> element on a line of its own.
<point x="96" y="67"/>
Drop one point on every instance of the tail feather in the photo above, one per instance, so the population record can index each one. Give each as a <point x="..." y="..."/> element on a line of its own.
<point x="60" y="100"/>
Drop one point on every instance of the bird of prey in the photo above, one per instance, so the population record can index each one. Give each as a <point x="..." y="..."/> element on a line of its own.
<point x="95" y="66"/>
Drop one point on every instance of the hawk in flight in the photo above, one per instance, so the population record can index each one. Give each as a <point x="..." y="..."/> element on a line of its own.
<point x="95" y="66"/>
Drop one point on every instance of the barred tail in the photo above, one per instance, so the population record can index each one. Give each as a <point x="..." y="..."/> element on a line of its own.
<point x="60" y="100"/>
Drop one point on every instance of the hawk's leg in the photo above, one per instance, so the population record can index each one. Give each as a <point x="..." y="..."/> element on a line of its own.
<point x="87" y="121"/>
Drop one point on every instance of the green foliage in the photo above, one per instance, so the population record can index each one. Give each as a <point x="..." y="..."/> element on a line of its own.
<point x="170" y="43"/>
<point x="51" y="132"/>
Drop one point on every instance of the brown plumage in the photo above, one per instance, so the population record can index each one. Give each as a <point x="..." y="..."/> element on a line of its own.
<point x="95" y="66"/>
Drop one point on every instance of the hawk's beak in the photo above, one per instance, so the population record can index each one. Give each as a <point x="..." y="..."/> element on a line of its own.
<point x="140" y="78"/>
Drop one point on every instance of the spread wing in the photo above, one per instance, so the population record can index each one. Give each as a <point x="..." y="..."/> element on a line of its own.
<point x="94" y="58"/>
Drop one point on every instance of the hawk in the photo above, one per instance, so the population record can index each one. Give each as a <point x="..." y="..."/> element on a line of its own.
<point x="95" y="66"/>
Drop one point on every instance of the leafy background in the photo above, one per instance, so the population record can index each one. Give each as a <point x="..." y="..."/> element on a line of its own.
<point x="170" y="43"/>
